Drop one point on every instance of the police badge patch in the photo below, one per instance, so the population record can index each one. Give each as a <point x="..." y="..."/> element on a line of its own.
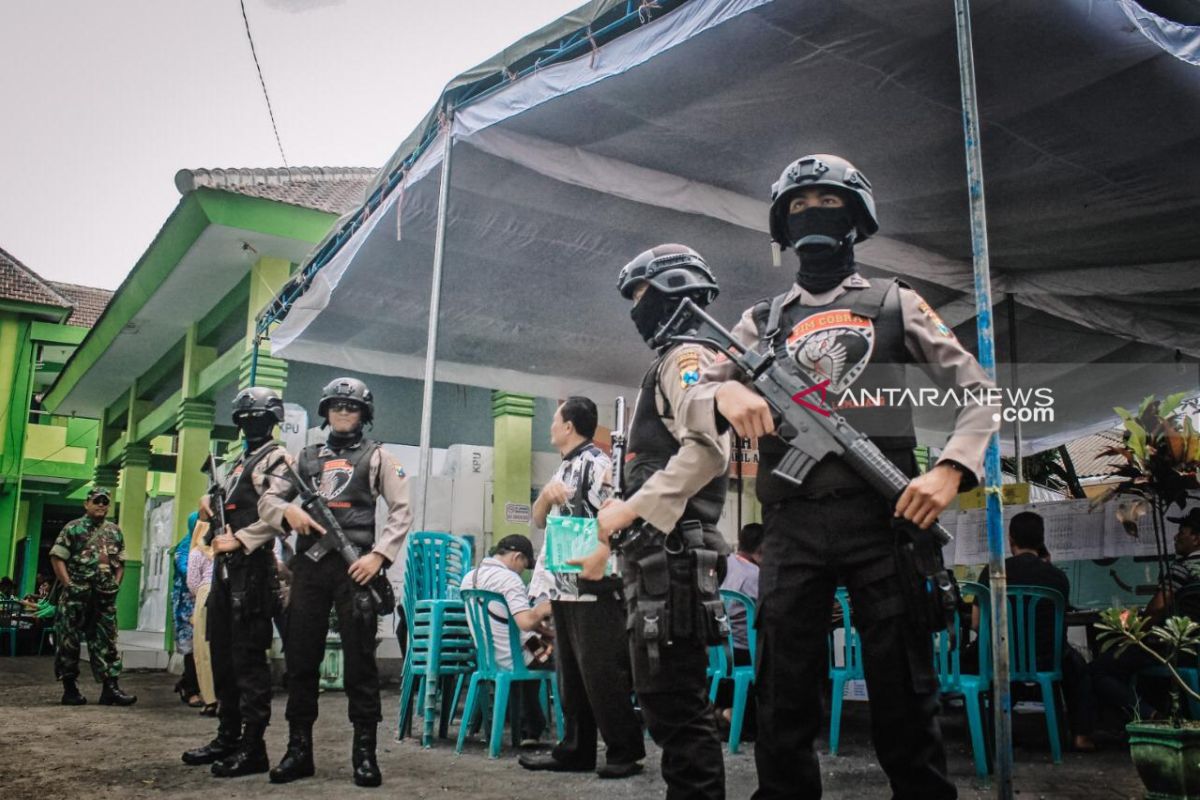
<point x="689" y="368"/>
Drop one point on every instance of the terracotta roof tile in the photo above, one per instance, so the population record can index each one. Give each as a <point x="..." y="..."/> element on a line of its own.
<point x="88" y="302"/>
<point x="335" y="190"/>
<point x="18" y="282"/>
<point x="1085" y="454"/>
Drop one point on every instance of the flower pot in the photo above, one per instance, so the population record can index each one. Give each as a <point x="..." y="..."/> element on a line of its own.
<point x="1167" y="759"/>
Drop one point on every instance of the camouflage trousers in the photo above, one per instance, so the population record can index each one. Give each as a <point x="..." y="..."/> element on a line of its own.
<point x="87" y="612"/>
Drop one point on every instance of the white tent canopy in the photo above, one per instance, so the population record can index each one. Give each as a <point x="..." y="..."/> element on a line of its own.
<point x="673" y="132"/>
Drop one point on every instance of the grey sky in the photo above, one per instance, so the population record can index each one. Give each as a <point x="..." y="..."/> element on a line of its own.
<point x="102" y="102"/>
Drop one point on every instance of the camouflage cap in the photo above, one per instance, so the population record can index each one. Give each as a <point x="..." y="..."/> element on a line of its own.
<point x="99" y="491"/>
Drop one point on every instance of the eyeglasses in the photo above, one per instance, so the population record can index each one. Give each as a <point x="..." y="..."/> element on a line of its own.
<point x="343" y="405"/>
<point x="100" y="501"/>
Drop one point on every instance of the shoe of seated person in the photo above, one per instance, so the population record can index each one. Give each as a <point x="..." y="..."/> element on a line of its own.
<point x="611" y="771"/>
<point x="545" y="762"/>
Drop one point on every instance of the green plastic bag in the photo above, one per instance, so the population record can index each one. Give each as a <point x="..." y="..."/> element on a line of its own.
<point x="569" y="538"/>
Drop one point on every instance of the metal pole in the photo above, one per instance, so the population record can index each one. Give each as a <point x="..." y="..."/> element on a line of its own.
<point x="254" y="361"/>
<point x="435" y="301"/>
<point x="987" y="359"/>
<point x="1012" y="357"/>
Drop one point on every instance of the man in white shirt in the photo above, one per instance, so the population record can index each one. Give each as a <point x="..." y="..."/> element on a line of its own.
<point x="501" y="573"/>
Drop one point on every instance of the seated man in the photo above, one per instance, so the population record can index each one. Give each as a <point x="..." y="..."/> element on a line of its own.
<point x="1111" y="674"/>
<point x="741" y="576"/>
<point x="501" y="573"/>
<point x="1027" y="567"/>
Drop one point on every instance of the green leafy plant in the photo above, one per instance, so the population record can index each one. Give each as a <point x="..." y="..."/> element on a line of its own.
<point x="1161" y="450"/>
<point x="1122" y="628"/>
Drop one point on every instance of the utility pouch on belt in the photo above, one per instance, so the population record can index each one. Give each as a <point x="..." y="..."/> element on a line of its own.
<point x="930" y="589"/>
<point x="649" y="588"/>
<point x="712" y="623"/>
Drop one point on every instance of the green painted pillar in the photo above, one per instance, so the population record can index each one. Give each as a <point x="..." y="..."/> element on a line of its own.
<point x="512" y="416"/>
<point x="135" y="466"/>
<point x="108" y="476"/>
<point x="194" y="429"/>
<point x="16" y="372"/>
<point x="267" y="277"/>
<point x="33" y="544"/>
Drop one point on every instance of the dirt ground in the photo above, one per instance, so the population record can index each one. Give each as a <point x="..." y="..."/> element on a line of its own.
<point x="48" y="752"/>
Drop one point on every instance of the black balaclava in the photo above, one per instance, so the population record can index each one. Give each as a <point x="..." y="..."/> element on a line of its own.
<point x="823" y="238"/>
<point x="257" y="429"/>
<point x="651" y="311"/>
<point x="340" y="441"/>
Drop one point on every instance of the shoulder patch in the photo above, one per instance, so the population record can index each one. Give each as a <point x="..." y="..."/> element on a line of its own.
<point x="399" y="470"/>
<point x="689" y="368"/>
<point x="935" y="320"/>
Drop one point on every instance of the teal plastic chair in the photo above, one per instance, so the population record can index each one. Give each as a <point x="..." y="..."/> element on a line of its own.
<point x="481" y="608"/>
<point x="741" y="675"/>
<point x="438" y="641"/>
<point x="972" y="687"/>
<point x="850" y="669"/>
<point x="1187" y="603"/>
<point x="1023" y="603"/>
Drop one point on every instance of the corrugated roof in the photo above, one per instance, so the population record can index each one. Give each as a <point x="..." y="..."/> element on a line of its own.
<point x="18" y="282"/>
<point x="335" y="190"/>
<point x="88" y="302"/>
<point x="1085" y="454"/>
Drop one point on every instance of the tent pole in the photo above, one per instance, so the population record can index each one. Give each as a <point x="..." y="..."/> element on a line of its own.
<point x="435" y="301"/>
<point x="1012" y="358"/>
<point x="254" y="360"/>
<point x="987" y="359"/>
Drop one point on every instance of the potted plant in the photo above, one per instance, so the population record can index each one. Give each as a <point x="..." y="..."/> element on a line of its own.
<point x="1161" y="449"/>
<point x="1166" y="752"/>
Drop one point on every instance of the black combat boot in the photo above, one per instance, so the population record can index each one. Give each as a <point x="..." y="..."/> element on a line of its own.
<point x="249" y="759"/>
<point x="111" y="694"/>
<point x="71" y="695"/>
<point x="297" y="762"/>
<point x="225" y="745"/>
<point x="362" y="756"/>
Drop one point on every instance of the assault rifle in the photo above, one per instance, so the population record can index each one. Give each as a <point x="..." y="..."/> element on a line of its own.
<point x="216" y="525"/>
<point x="620" y="447"/>
<point x="810" y="433"/>
<point x="377" y="596"/>
<point x="813" y="433"/>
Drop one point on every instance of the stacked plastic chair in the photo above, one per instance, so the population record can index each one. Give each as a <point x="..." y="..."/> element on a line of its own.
<point x="477" y="603"/>
<point x="850" y="669"/>
<point x="720" y="668"/>
<point x="439" y="642"/>
<point x="975" y="686"/>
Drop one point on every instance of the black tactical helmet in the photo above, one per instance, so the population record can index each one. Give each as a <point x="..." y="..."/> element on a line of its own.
<point x="255" y="401"/>
<point x="674" y="270"/>
<point x="822" y="170"/>
<point x="347" y="389"/>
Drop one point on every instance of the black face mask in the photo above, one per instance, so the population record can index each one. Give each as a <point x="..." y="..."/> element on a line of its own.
<point x="652" y="311"/>
<point x="257" y="428"/>
<point x="339" y="441"/>
<point x="822" y="240"/>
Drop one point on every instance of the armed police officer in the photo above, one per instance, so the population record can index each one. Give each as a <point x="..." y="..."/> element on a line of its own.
<point x="673" y="560"/>
<point x="832" y="529"/>
<point x="89" y="561"/>
<point x="242" y="600"/>
<point x="350" y="472"/>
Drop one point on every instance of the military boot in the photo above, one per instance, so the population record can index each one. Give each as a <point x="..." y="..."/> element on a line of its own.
<point x="111" y="694"/>
<point x="71" y="695"/>
<point x="249" y="759"/>
<point x="225" y="745"/>
<point x="297" y="762"/>
<point x="362" y="756"/>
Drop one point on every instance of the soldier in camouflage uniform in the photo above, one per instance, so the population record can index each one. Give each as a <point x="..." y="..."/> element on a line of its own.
<point x="89" y="559"/>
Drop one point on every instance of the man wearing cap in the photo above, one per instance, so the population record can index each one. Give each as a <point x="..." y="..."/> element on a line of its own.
<point x="1111" y="674"/>
<point x="89" y="560"/>
<point x="501" y="573"/>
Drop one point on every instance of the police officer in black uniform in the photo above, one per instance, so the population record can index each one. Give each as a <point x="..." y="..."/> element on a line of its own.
<point x="833" y="530"/>
<point x="351" y="473"/>
<point x="244" y="589"/>
<point x="673" y="557"/>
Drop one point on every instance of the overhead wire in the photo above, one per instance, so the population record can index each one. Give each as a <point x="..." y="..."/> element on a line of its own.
<point x="262" y="82"/>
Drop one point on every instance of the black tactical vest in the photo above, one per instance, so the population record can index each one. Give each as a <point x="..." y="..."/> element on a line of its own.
<point x="344" y="480"/>
<point x="859" y="328"/>
<point x="652" y="445"/>
<point x="241" y="498"/>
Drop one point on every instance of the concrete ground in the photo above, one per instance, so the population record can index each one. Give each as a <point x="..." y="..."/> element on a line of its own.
<point x="48" y="752"/>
